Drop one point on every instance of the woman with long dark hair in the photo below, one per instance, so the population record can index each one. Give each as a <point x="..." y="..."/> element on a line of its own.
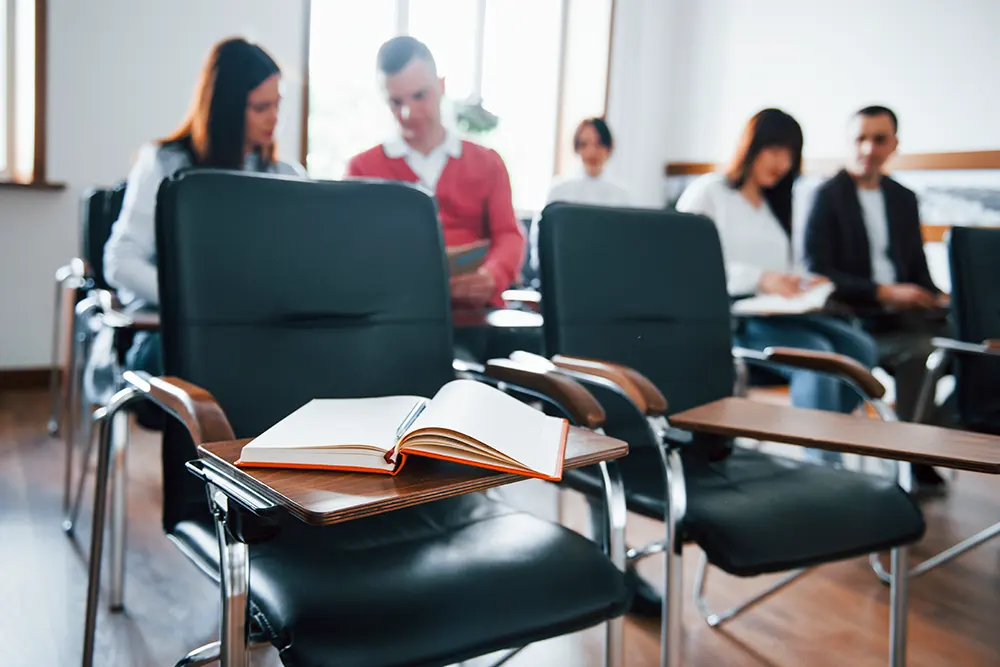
<point x="751" y="205"/>
<point x="230" y="125"/>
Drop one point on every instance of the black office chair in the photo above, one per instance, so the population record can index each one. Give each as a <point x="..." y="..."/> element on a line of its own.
<point x="99" y="209"/>
<point x="273" y="292"/>
<point x="646" y="290"/>
<point x="974" y="358"/>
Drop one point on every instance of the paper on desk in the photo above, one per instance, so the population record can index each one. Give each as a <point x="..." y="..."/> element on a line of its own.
<point x="771" y="304"/>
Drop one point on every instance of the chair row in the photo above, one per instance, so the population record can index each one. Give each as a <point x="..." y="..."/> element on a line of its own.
<point x="312" y="316"/>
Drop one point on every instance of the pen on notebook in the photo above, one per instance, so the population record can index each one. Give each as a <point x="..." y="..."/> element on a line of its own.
<point x="407" y="422"/>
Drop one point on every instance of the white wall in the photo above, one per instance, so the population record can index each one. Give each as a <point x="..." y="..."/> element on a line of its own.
<point x="121" y="72"/>
<point x="933" y="61"/>
<point x="641" y="55"/>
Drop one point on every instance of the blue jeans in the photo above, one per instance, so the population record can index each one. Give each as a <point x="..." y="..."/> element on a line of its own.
<point x="814" y="332"/>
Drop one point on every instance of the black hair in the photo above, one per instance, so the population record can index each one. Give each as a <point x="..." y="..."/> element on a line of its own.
<point x="397" y="53"/>
<point x="768" y="129"/>
<point x="878" y="110"/>
<point x="213" y="131"/>
<point x="600" y="126"/>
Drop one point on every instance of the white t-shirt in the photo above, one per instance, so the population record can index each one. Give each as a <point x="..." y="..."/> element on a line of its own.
<point x="586" y="189"/>
<point x="877" y="224"/>
<point x="753" y="240"/>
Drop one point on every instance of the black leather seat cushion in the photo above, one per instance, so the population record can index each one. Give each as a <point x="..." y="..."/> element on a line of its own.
<point x="429" y="585"/>
<point x="753" y="513"/>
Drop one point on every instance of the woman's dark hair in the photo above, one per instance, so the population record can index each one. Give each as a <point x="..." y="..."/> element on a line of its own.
<point x="769" y="128"/>
<point x="214" y="129"/>
<point x="600" y="126"/>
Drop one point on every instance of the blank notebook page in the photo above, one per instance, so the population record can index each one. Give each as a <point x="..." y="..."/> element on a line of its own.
<point x="498" y="420"/>
<point x="323" y="423"/>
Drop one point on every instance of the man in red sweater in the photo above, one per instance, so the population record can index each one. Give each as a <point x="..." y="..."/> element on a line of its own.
<point x="470" y="182"/>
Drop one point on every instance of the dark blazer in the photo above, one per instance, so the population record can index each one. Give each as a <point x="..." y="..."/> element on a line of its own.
<point x="836" y="240"/>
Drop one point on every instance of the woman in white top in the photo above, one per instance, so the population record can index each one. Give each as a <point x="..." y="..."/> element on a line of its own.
<point x="751" y="205"/>
<point x="593" y="142"/>
<point x="230" y="125"/>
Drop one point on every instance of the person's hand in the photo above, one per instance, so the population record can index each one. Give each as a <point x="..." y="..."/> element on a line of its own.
<point x="474" y="289"/>
<point x="943" y="300"/>
<point x="906" y="295"/>
<point x="812" y="280"/>
<point x="782" y="284"/>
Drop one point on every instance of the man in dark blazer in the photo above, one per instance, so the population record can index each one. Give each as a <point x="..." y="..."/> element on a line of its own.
<point x="863" y="233"/>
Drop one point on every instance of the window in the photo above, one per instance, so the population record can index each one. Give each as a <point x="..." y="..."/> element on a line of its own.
<point x="20" y="24"/>
<point x="539" y="65"/>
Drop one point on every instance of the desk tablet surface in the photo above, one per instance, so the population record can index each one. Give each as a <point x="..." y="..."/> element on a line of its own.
<point x="328" y="497"/>
<point x="902" y="441"/>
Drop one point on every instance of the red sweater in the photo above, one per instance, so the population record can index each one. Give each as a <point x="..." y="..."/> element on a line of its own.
<point x="474" y="203"/>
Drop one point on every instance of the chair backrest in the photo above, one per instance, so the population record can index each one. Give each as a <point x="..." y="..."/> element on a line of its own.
<point x="974" y="256"/>
<point x="645" y="288"/>
<point x="101" y="207"/>
<point x="276" y="290"/>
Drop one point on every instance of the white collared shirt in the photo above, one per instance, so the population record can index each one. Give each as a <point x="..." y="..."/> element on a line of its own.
<point x="428" y="168"/>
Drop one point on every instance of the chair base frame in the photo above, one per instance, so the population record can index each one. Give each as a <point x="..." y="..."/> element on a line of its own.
<point x="236" y="642"/>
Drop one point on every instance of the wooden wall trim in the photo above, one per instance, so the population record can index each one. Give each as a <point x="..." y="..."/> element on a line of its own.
<point x="22" y="379"/>
<point x="915" y="161"/>
<point x="39" y="159"/>
<point x="304" y="132"/>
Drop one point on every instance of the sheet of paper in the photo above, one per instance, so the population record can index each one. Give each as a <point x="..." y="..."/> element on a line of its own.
<point x="497" y="420"/>
<point x="771" y="304"/>
<point x="328" y="423"/>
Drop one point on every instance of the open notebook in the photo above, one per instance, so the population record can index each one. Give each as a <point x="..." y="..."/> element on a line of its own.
<point x="466" y="422"/>
<point x="810" y="301"/>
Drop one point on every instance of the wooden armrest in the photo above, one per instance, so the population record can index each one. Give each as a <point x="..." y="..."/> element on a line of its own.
<point x="192" y="405"/>
<point x="581" y="406"/>
<point x="827" y="362"/>
<point x="836" y="432"/>
<point x="116" y="318"/>
<point x="637" y="386"/>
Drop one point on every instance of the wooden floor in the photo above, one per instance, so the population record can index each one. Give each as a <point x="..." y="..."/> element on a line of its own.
<point x="835" y="616"/>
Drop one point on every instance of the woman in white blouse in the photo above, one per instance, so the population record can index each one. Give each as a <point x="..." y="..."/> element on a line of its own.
<point x="751" y="205"/>
<point x="230" y="125"/>
<point x="593" y="142"/>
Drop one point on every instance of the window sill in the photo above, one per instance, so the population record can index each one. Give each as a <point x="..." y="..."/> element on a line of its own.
<point x="35" y="185"/>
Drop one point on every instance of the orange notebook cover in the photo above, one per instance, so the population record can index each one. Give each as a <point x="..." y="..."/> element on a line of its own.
<point x="466" y="422"/>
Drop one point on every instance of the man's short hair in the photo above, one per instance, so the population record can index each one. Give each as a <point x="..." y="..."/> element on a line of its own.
<point x="397" y="53"/>
<point x="878" y="110"/>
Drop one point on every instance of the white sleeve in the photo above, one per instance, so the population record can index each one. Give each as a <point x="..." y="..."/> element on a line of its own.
<point x="130" y="253"/>
<point x="742" y="278"/>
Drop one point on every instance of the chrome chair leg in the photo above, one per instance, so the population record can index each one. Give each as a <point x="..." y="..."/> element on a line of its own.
<point x="117" y="403"/>
<point x="898" y="608"/>
<point x="203" y="655"/>
<point x="69" y="523"/>
<point x="615" y="514"/>
<point x="119" y="509"/>
<point x="235" y="587"/>
<point x="55" y="376"/>
<point x="68" y="422"/>
<point x="717" y="619"/>
<point x="672" y="621"/>
<point x="948" y="554"/>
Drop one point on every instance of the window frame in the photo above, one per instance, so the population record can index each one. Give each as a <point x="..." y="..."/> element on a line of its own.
<point x="38" y="172"/>
<point x="402" y="8"/>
